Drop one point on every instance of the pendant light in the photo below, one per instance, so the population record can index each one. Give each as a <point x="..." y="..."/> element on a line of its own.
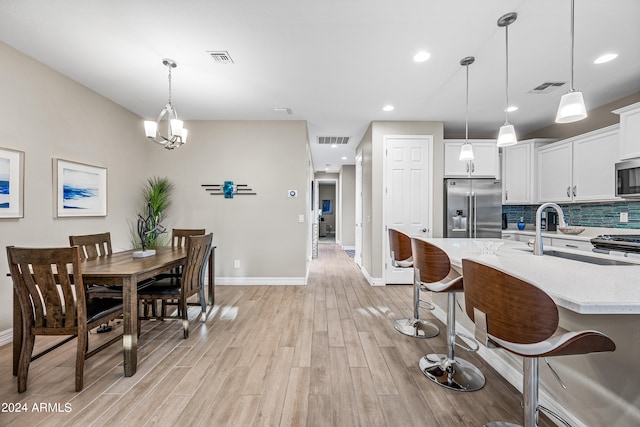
<point x="507" y="134"/>
<point x="174" y="134"/>
<point x="571" y="108"/>
<point x="466" y="151"/>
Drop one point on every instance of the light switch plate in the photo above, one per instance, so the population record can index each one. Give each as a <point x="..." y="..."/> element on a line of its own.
<point x="301" y="218"/>
<point x="624" y="216"/>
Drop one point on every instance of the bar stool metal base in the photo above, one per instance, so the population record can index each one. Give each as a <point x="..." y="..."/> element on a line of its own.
<point x="416" y="328"/>
<point x="456" y="374"/>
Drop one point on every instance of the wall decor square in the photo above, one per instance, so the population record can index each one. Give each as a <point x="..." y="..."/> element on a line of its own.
<point x="81" y="190"/>
<point x="11" y="183"/>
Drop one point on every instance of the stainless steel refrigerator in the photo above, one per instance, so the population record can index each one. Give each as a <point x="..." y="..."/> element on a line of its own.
<point x="473" y="208"/>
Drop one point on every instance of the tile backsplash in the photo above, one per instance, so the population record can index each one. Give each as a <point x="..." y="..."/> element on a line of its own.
<point x="583" y="214"/>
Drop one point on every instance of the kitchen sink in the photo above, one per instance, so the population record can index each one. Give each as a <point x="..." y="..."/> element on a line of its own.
<point x="580" y="257"/>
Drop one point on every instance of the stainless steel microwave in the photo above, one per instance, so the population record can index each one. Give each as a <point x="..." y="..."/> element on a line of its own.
<point x="628" y="178"/>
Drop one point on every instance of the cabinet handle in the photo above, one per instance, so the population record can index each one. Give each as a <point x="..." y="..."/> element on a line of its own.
<point x="467" y="167"/>
<point x="506" y="195"/>
<point x="574" y="191"/>
<point x="571" y="246"/>
<point x="473" y="167"/>
<point x="569" y="191"/>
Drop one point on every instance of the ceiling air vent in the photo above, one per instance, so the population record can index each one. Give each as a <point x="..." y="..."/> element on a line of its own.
<point x="338" y="140"/>
<point x="547" y="87"/>
<point x="220" y="57"/>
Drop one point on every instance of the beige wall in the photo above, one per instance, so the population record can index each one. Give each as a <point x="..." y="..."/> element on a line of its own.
<point x="372" y="148"/>
<point x="262" y="231"/>
<point x="47" y="116"/>
<point x="347" y="204"/>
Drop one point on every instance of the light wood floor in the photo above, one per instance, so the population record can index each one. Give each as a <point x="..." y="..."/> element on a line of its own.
<point x="325" y="354"/>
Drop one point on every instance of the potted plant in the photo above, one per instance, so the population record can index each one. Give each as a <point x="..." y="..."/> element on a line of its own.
<point x="157" y="199"/>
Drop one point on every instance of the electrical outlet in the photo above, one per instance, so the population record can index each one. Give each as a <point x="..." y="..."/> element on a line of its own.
<point x="624" y="216"/>
<point x="236" y="263"/>
<point x="301" y="218"/>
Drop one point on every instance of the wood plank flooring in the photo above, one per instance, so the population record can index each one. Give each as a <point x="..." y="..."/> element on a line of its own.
<point x="325" y="354"/>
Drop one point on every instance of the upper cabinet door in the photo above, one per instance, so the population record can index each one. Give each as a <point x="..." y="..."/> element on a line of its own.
<point x="629" y="131"/>
<point x="517" y="174"/>
<point x="554" y="174"/>
<point x="484" y="165"/>
<point x="594" y="158"/>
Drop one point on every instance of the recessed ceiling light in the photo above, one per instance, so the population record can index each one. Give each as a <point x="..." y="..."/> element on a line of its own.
<point x="421" y="56"/>
<point x="334" y="145"/>
<point x="343" y="158"/>
<point x="605" y="58"/>
<point x="388" y="108"/>
<point x="511" y="108"/>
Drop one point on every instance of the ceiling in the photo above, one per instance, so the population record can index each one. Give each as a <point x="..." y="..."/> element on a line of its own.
<point x="333" y="63"/>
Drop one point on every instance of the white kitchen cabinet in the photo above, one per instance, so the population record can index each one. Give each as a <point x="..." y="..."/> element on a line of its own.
<point x="629" y="131"/>
<point x="484" y="165"/>
<point x="571" y="244"/>
<point x="518" y="172"/>
<point x="578" y="169"/>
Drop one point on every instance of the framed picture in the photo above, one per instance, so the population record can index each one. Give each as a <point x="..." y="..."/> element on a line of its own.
<point x="327" y="207"/>
<point x="11" y="183"/>
<point x="81" y="190"/>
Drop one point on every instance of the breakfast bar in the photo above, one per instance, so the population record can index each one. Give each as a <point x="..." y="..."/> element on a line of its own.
<point x="601" y="388"/>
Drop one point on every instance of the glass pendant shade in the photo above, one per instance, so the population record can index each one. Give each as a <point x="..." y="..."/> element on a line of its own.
<point x="150" y="128"/>
<point x="571" y="108"/>
<point x="507" y="136"/>
<point x="466" y="152"/>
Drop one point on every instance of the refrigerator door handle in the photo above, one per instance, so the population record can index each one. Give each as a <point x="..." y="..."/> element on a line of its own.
<point x="470" y="210"/>
<point x="475" y="214"/>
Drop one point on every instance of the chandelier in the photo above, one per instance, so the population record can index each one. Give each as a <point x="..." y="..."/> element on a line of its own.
<point x="167" y="130"/>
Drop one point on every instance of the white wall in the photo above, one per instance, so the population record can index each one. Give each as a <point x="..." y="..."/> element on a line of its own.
<point x="372" y="149"/>
<point x="347" y="205"/>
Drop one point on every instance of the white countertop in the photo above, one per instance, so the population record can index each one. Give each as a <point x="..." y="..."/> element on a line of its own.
<point x="586" y="235"/>
<point x="577" y="286"/>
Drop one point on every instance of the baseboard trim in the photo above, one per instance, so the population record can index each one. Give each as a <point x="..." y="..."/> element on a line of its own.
<point x="348" y="248"/>
<point x="267" y="281"/>
<point x="6" y="337"/>
<point x="511" y="370"/>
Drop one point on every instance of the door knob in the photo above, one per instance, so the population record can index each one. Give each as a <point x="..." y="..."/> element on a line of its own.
<point x="424" y="230"/>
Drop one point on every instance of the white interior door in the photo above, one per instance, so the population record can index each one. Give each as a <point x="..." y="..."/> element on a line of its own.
<point x="358" y="233"/>
<point x="408" y="197"/>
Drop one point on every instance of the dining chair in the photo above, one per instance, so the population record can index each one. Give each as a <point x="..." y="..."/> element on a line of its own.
<point x="178" y="240"/>
<point x="521" y="318"/>
<point x="51" y="294"/>
<point x="178" y="290"/>
<point x="98" y="245"/>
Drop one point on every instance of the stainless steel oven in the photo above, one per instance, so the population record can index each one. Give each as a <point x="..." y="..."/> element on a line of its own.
<point x="628" y="178"/>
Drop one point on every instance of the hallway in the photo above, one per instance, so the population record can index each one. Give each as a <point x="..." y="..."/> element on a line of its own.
<point x="323" y="354"/>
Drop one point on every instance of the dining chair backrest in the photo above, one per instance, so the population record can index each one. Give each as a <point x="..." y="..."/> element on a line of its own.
<point x="44" y="285"/>
<point x="179" y="235"/>
<point x="198" y="249"/>
<point x="432" y="262"/>
<point x="516" y="311"/>
<point x="92" y="245"/>
<point x="400" y="245"/>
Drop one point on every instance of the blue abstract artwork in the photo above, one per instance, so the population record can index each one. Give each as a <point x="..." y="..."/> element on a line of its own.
<point x="5" y="183"/>
<point x="80" y="189"/>
<point x="227" y="189"/>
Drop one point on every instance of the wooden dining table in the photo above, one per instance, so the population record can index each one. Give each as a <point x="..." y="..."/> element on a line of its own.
<point x="122" y="269"/>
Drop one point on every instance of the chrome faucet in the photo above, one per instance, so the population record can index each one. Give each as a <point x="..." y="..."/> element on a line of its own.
<point x="537" y="244"/>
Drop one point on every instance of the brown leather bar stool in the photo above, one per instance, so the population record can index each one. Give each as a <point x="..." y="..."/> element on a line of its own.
<point x="432" y="269"/>
<point x="521" y="318"/>
<point x="401" y="257"/>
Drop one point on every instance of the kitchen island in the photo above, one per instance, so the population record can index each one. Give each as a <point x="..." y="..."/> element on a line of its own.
<point x="602" y="389"/>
